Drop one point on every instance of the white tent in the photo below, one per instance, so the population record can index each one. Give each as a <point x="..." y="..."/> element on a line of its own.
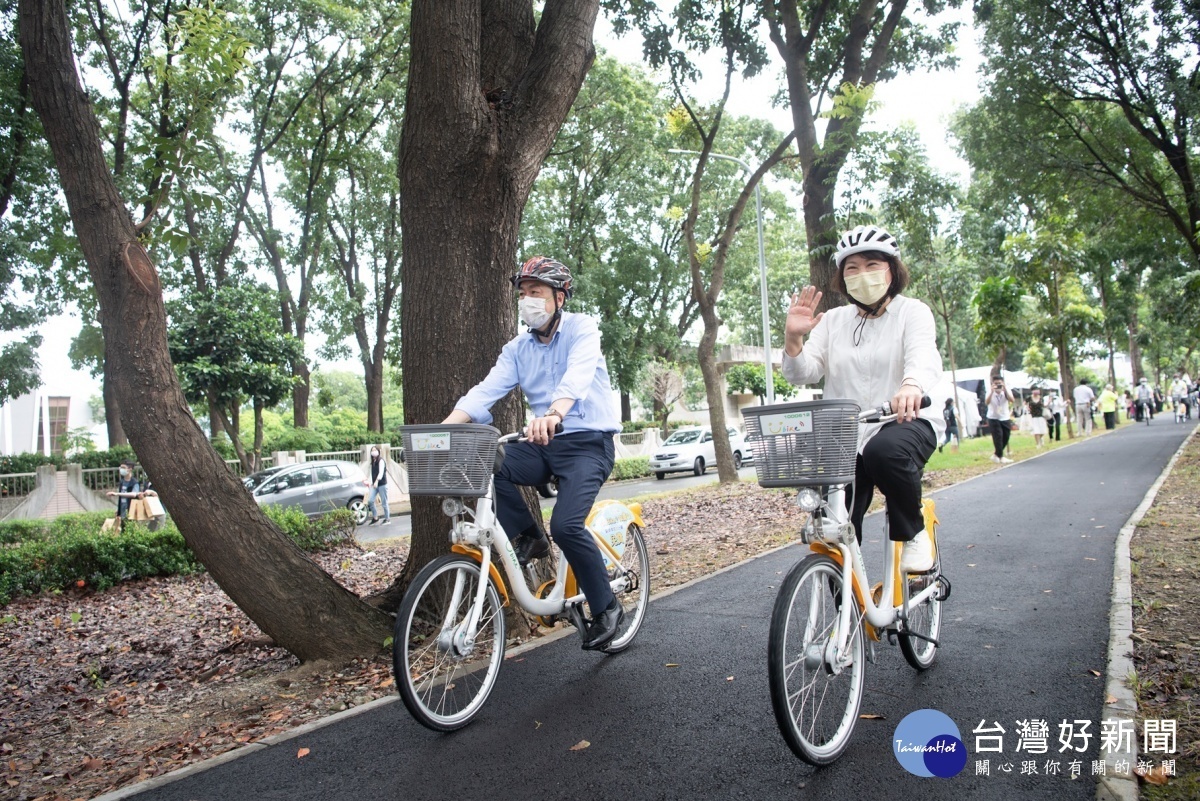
<point x="966" y="406"/>
<point x="974" y="377"/>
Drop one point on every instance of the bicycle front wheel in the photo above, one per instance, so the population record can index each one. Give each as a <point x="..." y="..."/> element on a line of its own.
<point x="816" y="693"/>
<point x="924" y="619"/>
<point x="444" y="673"/>
<point x="635" y="561"/>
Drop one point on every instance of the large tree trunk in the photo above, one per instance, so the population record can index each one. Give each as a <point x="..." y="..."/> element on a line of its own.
<point x="266" y="575"/>
<point x="373" y="371"/>
<point x="300" y="394"/>
<point x="112" y="411"/>
<point x="487" y="94"/>
<point x="1135" y="347"/>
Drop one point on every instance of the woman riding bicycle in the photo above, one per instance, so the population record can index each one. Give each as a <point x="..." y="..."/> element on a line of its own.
<point x="559" y="366"/>
<point x="884" y="346"/>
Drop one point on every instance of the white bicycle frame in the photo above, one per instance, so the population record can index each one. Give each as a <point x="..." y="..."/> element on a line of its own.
<point x="485" y="534"/>
<point x="835" y="514"/>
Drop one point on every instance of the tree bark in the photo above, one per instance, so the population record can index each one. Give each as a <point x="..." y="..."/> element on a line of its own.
<point x="488" y="90"/>
<point x="822" y="156"/>
<point x="267" y="576"/>
<point x="112" y="411"/>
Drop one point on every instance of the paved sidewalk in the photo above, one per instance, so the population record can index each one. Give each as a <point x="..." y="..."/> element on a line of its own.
<point x="1029" y="550"/>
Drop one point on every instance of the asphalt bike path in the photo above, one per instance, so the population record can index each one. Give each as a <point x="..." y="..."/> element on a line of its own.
<point x="686" y="713"/>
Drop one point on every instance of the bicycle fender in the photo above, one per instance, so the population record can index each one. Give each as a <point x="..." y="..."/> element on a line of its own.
<point x="836" y="555"/>
<point x="492" y="570"/>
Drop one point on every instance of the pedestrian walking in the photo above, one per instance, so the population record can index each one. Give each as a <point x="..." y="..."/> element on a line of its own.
<point x="951" y="426"/>
<point x="1084" y="396"/>
<point x="1058" y="407"/>
<point x="999" y="417"/>
<point x="1038" y="411"/>
<point x="1108" y="403"/>
<point x="379" y="488"/>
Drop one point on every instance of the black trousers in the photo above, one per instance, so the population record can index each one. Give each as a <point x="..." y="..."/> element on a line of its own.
<point x="893" y="460"/>
<point x="1056" y="427"/>
<point x="1001" y="431"/>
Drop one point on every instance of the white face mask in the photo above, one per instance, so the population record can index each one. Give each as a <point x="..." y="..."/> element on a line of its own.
<point x="533" y="312"/>
<point x="868" y="287"/>
<point x="374" y="454"/>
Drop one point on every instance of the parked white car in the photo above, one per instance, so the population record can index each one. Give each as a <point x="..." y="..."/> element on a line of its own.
<point x="692" y="449"/>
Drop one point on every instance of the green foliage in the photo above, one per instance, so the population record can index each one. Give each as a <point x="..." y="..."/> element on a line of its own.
<point x="635" y="467"/>
<point x="28" y="462"/>
<point x="313" y="534"/>
<point x="999" y="306"/>
<point x="40" y="555"/>
<point x="1039" y="362"/>
<point x="632" y="426"/>
<point x="752" y="378"/>
<point x="298" y="439"/>
<point x="19" y="371"/>
<point x="74" y="550"/>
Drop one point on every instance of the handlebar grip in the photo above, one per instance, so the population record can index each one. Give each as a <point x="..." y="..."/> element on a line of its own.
<point x="886" y="408"/>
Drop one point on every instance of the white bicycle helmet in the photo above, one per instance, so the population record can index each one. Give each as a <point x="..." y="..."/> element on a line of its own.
<point x="863" y="238"/>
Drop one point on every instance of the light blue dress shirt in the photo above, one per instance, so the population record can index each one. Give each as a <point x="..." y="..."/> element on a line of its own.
<point x="570" y="366"/>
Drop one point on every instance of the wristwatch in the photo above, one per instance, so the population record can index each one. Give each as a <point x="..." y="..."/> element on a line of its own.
<point x="555" y="412"/>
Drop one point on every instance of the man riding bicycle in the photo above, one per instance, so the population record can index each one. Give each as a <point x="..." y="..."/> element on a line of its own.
<point x="560" y="368"/>
<point x="1144" y="396"/>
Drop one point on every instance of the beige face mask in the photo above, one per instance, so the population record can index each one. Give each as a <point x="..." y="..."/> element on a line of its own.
<point x="868" y="288"/>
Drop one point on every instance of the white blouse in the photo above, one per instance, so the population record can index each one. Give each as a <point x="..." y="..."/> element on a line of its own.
<point x="901" y="343"/>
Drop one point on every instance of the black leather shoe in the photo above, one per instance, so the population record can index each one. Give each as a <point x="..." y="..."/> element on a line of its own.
<point x="604" y="627"/>
<point x="530" y="548"/>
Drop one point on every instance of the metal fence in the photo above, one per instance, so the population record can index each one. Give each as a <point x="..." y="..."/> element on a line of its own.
<point x="633" y="437"/>
<point x="335" y="456"/>
<point x="17" y="485"/>
<point x="100" y="479"/>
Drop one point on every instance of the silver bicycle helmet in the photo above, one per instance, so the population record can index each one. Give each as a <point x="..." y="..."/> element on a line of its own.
<point x="864" y="238"/>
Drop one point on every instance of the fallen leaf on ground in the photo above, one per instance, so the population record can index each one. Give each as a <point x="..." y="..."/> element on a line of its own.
<point x="1112" y="699"/>
<point x="1094" y="672"/>
<point x="302" y="753"/>
<point x="872" y="716"/>
<point x="671" y="664"/>
<point x="729" y="678"/>
<point x="1156" y="775"/>
<point x="579" y="746"/>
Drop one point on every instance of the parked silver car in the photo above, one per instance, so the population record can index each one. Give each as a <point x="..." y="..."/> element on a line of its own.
<point x="314" y="487"/>
<point x="692" y="450"/>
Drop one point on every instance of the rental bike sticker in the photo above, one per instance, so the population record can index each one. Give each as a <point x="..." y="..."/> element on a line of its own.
<point x="774" y="425"/>
<point x="431" y="442"/>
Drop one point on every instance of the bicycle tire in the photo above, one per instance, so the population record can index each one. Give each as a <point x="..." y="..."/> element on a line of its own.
<point x="443" y="687"/>
<point x="924" y="619"/>
<point x="816" y="710"/>
<point x="635" y="560"/>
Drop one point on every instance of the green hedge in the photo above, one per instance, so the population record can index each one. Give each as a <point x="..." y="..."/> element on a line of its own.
<point x="635" y="467"/>
<point x="40" y="555"/>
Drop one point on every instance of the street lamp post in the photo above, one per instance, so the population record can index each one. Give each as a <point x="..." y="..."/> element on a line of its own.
<point x="762" y="269"/>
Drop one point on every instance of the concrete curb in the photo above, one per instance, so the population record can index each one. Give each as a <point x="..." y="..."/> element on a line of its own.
<point x="1124" y="786"/>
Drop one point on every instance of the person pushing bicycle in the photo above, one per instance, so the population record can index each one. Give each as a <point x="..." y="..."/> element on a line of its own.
<point x="883" y="346"/>
<point x="560" y="368"/>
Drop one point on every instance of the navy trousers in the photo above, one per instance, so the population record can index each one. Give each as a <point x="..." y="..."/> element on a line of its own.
<point x="582" y="462"/>
<point x="893" y="460"/>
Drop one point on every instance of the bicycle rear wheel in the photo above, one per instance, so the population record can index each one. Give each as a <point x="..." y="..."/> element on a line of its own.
<point x="636" y="563"/>
<point x="924" y="619"/>
<point x="815" y="695"/>
<point x="443" y="677"/>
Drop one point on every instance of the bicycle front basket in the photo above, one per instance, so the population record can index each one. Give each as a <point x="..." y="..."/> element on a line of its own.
<point x="451" y="460"/>
<point x="813" y="443"/>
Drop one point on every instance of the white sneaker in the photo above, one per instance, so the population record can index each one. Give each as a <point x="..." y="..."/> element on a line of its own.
<point x="995" y="458"/>
<point x="1005" y="460"/>
<point x="917" y="555"/>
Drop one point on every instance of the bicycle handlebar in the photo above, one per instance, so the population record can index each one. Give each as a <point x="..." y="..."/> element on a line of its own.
<point x="884" y="410"/>
<point x="521" y="436"/>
